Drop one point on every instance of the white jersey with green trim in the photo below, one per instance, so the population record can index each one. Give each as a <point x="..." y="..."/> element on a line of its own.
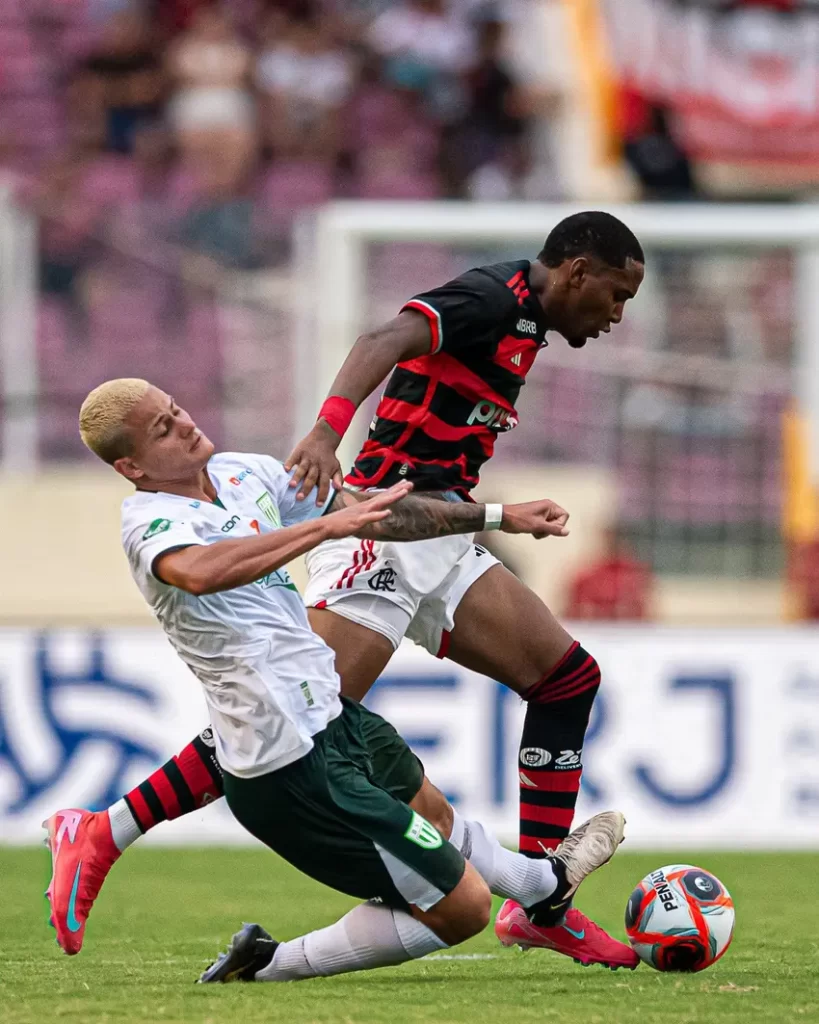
<point x="269" y="680"/>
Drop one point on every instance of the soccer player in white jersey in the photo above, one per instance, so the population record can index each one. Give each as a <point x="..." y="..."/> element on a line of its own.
<point x="320" y="779"/>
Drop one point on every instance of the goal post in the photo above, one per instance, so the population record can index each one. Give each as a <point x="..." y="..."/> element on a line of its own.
<point x="337" y="254"/>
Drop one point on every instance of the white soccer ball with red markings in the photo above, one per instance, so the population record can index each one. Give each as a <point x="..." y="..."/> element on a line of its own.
<point x="680" y="918"/>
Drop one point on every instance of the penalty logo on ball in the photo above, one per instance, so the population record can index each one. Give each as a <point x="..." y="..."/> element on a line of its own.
<point x="680" y="918"/>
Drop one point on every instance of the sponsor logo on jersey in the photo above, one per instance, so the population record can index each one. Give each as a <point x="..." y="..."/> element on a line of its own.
<point x="384" y="579"/>
<point x="423" y="834"/>
<point x="527" y="326"/>
<point x="492" y="415"/>
<point x="236" y="480"/>
<point x="305" y="689"/>
<point x="535" y="757"/>
<point x="157" y="526"/>
<point x="196" y="504"/>
<point x="267" y="506"/>
<point x="230" y="524"/>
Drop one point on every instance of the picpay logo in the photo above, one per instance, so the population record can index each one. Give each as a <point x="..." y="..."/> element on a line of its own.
<point x="492" y="415"/>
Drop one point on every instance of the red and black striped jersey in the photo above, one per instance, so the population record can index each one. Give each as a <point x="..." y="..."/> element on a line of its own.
<point x="439" y="416"/>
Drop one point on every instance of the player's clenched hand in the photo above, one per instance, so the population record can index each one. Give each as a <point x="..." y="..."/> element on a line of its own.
<point x="351" y="520"/>
<point x="542" y="518"/>
<point x="314" y="463"/>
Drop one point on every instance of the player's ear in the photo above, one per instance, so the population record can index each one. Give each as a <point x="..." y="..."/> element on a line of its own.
<point x="129" y="469"/>
<point x="578" y="271"/>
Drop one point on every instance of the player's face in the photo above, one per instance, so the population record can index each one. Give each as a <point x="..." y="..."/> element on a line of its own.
<point x="167" y="444"/>
<point x="595" y="297"/>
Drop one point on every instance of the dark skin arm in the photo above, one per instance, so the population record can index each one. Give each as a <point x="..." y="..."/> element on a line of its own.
<point x="374" y="355"/>
<point x="393" y="514"/>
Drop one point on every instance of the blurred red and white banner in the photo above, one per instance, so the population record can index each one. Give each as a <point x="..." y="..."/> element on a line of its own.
<point x="741" y="79"/>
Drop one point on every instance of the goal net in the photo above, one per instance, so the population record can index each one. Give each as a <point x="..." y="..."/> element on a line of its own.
<point x="700" y="413"/>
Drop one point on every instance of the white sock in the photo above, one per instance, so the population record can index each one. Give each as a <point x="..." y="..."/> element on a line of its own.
<point x="507" y="874"/>
<point x="371" y="935"/>
<point x="124" y="828"/>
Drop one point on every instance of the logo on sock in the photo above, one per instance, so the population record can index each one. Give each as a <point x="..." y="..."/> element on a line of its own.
<point x="423" y="834"/>
<point x="535" y="757"/>
<point x="206" y="736"/>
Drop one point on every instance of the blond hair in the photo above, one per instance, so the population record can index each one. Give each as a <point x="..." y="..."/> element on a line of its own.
<point x="103" y="414"/>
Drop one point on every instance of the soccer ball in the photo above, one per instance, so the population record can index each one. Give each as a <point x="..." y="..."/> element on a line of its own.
<point x="680" y="918"/>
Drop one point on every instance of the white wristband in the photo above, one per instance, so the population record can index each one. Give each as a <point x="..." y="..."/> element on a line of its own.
<point x="493" y="517"/>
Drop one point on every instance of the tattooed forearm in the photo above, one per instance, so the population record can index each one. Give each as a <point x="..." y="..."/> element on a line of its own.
<point x="418" y="517"/>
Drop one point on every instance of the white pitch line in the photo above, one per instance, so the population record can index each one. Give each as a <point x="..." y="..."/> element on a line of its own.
<point x="462" y="956"/>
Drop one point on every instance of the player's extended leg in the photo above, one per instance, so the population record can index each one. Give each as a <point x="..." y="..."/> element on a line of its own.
<point x="339" y="800"/>
<point x="503" y="630"/>
<point x="85" y="844"/>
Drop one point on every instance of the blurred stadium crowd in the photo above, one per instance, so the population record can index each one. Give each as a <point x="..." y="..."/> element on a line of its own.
<point x="225" y="119"/>
<point x="169" y="146"/>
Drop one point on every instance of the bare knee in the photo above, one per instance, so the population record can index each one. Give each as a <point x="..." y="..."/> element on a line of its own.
<point x="465" y="912"/>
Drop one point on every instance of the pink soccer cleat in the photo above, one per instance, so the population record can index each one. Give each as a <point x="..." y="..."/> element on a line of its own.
<point x="82" y="854"/>
<point x="577" y="936"/>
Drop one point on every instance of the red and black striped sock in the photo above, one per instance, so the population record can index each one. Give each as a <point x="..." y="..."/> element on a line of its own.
<point x="551" y="749"/>
<point x="185" y="783"/>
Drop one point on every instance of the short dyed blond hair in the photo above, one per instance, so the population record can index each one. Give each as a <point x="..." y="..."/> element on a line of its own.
<point x="103" y="414"/>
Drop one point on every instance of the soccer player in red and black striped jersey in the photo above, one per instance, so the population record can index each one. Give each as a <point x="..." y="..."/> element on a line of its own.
<point x="459" y="355"/>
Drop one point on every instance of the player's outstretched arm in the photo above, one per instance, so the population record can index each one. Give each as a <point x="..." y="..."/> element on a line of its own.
<point x="211" y="568"/>
<point x="424" y="517"/>
<point x="372" y="357"/>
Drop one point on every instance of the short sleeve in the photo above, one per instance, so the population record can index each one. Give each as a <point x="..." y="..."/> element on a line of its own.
<point x="145" y="540"/>
<point x="277" y="481"/>
<point x="464" y="311"/>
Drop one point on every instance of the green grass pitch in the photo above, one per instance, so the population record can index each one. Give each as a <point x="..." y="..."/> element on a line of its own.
<point x="164" y="913"/>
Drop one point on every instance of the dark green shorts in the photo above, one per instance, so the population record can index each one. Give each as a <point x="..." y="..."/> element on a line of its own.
<point x="341" y="815"/>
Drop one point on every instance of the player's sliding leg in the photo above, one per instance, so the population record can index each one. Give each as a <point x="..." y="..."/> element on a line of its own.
<point x="341" y="815"/>
<point x="373" y="935"/>
<point x="86" y="844"/>
<point x="369" y="936"/>
<point x="187" y="782"/>
<point x="503" y="630"/>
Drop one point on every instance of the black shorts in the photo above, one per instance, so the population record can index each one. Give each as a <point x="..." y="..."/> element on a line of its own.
<point x="340" y="814"/>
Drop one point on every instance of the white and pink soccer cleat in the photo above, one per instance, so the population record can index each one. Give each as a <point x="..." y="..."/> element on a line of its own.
<point x="577" y="936"/>
<point x="82" y="854"/>
<point x="554" y="923"/>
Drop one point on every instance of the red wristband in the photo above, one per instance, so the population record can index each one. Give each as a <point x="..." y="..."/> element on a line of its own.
<point x="338" y="412"/>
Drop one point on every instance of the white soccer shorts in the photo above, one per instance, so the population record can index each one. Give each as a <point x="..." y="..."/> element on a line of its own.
<point x="397" y="589"/>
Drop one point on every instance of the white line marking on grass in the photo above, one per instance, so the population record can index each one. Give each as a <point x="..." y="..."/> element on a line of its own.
<point x="462" y="956"/>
